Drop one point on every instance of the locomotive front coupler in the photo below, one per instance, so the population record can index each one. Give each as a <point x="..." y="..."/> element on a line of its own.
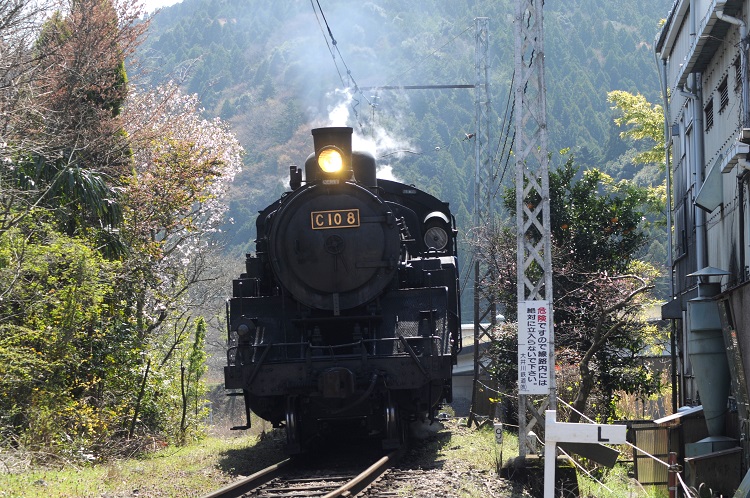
<point x="376" y="376"/>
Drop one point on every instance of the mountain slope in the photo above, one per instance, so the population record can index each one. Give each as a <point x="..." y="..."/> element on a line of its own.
<point x="273" y="73"/>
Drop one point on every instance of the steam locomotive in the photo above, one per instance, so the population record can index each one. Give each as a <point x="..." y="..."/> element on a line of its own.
<point x="347" y="316"/>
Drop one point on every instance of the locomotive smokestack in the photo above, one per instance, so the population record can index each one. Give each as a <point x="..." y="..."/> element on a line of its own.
<point x="340" y="137"/>
<point x="332" y="160"/>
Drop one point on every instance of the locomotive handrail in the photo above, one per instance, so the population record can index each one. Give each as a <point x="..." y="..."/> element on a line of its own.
<point x="321" y="319"/>
<point x="404" y="341"/>
<point x="229" y="355"/>
<point x="258" y="364"/>
<point x="413" y="355"/>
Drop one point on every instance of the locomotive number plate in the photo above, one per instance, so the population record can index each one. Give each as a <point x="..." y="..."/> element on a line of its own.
<point x="340" y="218"/>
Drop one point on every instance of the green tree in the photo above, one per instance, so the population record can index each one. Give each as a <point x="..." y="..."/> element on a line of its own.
<point x="64" y="338"/>
<point x="192" y="387"/>
<point x="643" y="160"/>
<point x="91" y="340"/>
<point x="58" y="353"/>
<point x="600" y="289"/>
<point x="645" y="122"/>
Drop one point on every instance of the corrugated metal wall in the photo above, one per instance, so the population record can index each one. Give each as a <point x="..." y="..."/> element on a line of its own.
<point x="653" y="439"/>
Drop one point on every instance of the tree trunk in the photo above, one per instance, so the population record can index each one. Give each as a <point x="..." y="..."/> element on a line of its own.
<point x="138" y="401"/>
<point x="183" y="427"/>
<point x="584" y="390"/>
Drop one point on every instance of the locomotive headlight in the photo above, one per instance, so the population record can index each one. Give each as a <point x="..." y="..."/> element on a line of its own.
<point x="331" y="160"/>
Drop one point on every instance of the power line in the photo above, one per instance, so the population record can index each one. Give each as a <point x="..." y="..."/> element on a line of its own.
<point x="335" y="46"/>
<point x="431" y="54"/>
<point x="509" y="121"/>
<point x="326" y="39"/>
<point x="414" y="87"/>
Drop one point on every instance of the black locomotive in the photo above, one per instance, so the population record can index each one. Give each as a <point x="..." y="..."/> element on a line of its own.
<point x="348" y="315"/>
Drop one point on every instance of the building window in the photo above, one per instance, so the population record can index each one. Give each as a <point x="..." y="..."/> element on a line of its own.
<point x="737" y="75"/>
<point x="723" y="95"/>
<point x="708" y="112"/>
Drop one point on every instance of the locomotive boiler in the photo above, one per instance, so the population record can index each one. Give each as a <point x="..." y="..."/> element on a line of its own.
<point x="347" y="316"/>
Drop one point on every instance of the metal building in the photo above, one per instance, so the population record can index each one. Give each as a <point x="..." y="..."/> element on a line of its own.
<point x="702" y="52"/>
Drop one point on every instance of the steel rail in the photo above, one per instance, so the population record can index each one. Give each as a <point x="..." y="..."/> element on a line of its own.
<point x="239" y="488"/>
<point x="353" y="486"/>
<point x="364" y="479"/>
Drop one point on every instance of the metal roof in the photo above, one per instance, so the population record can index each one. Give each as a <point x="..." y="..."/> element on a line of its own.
<point x="683" y="411"/>
<point x="711" y="34"/>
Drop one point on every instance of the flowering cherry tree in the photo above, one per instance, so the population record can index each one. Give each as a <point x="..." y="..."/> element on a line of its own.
<point x="174" y="202"/>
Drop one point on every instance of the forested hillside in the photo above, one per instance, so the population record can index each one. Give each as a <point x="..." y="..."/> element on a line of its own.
<point x="269" y="72"/>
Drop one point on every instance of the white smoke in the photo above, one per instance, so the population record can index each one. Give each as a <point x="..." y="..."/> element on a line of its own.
<point x="338" y="113"/>
<point x="380" y="142"/>
<point x="385" y="172"/>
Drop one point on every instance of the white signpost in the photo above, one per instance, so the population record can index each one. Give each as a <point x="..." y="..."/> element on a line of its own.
<point x="563" y="432"/>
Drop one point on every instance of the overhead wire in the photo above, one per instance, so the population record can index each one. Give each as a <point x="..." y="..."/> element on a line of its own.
<point x="507" y="148"/>
<point x="428" y="56"/>
<point x="317" y="18"/>
<point x="508" y="108"/>
<point x="468" y="272"/>
<point x="334" y="43"/>
<point x="506" y="152"/>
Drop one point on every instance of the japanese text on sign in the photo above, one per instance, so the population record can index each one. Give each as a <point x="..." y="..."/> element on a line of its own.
<point x="534" y="347"/>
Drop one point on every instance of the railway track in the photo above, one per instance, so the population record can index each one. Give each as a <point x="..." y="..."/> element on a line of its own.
<point x="329" y="478"/>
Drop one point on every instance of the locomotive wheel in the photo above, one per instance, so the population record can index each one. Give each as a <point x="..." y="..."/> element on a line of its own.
<point x="394" y="433"/>
<point x="293" y="429"/>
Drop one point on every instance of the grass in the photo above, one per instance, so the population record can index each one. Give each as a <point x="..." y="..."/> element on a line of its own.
<point x="192" y="470"/>
<point x="478" y="450"/>
<point x="202" y="467"/>
<point x="619" y="484"/>
<point x="477" y="447"/>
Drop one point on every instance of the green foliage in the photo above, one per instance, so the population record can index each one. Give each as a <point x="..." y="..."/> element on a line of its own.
<point x="97" y="274"/>
<point x="600" y="287"/>
<point x="645" y="122"/>
<point x="193" y="388"/>
<point x="79" y="196"/>
<point x="55" y="346"/>
<point x="595" y="220"/>
<point x="644" y="128"/>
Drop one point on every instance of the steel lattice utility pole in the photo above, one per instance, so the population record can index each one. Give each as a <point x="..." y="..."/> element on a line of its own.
<point x="483" y="220"/>
<point x="532" y="181"/>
